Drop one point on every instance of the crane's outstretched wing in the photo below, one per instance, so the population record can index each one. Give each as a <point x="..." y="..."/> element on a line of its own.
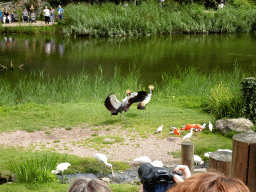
<point x="136" y="97"/>
<point x="112" y="104"/>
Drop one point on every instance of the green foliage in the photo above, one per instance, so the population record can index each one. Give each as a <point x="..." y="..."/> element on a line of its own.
<point x="111" y="20"/>
<point x="249" y="100"/>
<point x="34" y="169"/>
<point x="35" y="4"/>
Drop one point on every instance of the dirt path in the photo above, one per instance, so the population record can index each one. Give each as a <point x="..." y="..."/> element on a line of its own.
<point x="132" y="147"/>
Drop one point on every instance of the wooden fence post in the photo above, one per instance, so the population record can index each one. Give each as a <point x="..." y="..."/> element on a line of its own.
<point x="244" y="159"/>
<point x="221" y="161"/>
<point x="187" y="156"/>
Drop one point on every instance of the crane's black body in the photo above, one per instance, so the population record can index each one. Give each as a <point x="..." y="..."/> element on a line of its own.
<point x="115" y="106"/>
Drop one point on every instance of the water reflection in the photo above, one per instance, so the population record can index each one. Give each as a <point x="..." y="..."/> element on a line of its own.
<point x="151" y="55"/>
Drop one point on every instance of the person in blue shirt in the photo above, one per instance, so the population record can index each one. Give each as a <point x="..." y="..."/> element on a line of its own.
<point x="1" y="15"/>
<point x="60" y="12"/>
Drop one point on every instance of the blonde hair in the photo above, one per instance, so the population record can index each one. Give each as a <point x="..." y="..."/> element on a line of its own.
<point x="211" y="181"/>
<point x="81" y="184"/>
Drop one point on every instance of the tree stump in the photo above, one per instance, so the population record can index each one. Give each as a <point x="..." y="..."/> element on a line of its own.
<point x="221" y="161"/>
<point x="187" y="156"/>
<point x="244" y="159"/>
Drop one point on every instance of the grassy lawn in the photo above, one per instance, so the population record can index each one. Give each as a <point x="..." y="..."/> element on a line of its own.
<point x="78" y="102"/>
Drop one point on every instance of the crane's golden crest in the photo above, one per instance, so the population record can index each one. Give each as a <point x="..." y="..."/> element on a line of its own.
<point x="151" y="87"/>
<point x="128" y="91"/>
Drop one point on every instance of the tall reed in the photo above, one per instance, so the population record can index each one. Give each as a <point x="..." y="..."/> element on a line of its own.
<point x="35" y="169"/>
<point x="110" y="19"/>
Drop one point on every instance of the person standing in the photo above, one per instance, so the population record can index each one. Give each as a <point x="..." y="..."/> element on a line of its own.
<point x="1" y="15"/>
<point x="46" y="15"/>
<point x="60" y="12"/>
<point x="52" y="11"/>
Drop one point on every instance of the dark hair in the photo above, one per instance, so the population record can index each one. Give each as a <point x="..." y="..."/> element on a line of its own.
<point x="81" y="184"/>
<point x="210" y="181"/>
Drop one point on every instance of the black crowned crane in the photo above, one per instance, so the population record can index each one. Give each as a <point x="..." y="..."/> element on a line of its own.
<point x="142" y="105"/>
<point x="115" y="106"/>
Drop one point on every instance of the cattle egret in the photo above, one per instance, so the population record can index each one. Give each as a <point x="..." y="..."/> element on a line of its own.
<point x="188" y="136"/>
<point x="159" y="129"/>
<point x="210" y="126"/>
<point x="115" y="106"/>
<point x="104" y="159"/>
<point x="142" y="159"/>
<point x="157" y="163"/>
<point x="203" y="126"/>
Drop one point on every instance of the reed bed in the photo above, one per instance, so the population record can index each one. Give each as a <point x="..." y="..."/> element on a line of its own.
<point x="217" y="93"/>
<point x="110" y="19"/>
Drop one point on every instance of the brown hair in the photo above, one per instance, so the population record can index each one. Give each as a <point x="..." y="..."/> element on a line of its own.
<point x="81" y="184"/>
<point x="210" y="182"/>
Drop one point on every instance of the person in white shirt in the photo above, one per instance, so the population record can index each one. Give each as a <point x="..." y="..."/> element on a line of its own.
<point x="46" y="15"/>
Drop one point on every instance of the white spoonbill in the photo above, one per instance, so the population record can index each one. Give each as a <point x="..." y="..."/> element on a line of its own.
<point x="189" y="135"/>
<point x="104" y="159"/>
<point x="159" y="129"/>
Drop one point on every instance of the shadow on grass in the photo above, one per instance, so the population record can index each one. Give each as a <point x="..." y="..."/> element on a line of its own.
<point x="111" y="121"/>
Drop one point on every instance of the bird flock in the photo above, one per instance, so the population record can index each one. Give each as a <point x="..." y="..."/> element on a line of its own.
<point x="5" y="68"/>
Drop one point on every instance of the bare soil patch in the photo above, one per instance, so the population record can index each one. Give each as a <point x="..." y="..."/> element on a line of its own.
<point x="132" y="147"/>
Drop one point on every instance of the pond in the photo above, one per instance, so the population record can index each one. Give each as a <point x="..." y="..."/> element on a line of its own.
<point x="151" y="55"/>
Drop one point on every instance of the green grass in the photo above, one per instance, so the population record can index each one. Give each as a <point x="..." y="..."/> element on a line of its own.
<point x="187" y="97"/>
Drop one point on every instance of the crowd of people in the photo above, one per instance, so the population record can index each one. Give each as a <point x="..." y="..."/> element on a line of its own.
<point x="210" y="181"/>
<point x="30" y="16"/>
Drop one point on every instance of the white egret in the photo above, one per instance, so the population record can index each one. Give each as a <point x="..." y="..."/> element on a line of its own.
<point x="60" y="168"/>
<point x="142" y="159"/>
<point x="157" y="163"/>
<point x="189" y="135"/>
<point x="159" y="129"/>
<point x="207" y="154"/>
<point x="104" y="159"/>
<point x="210" y="126"/>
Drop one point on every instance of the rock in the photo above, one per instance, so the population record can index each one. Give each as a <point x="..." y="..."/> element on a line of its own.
<point x="105" y="179"/>
<point x="241" y="125"/>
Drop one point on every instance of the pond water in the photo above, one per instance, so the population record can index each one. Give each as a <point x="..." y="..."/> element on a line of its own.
<point x="152" y="55"/>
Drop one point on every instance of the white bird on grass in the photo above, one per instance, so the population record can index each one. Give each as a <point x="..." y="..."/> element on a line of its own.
<point x="104" y="159"/>
<point x="60" y="168"/>
<point x="198" y="160"/>
<point x="159" y="129"/>
<point x="210" y="126"/>
<point x="189" y="135"/>
<point x="203" y="126"/>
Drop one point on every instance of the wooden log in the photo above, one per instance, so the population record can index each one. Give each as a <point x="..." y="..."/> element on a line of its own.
<point x="187" y="156"/>
<point x="221" y="161"/>
<point x="244" y="159"/>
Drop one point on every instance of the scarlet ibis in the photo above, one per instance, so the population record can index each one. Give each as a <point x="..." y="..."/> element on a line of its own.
<point x="210" y="126"/>
<point x="115" y="106"/>
<point x="175" y="131"/>
<point x="159" y="129"/>
<point x="142" y="105"/>
<point x="188" y="136"/>
<point x="104" y="159"/>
